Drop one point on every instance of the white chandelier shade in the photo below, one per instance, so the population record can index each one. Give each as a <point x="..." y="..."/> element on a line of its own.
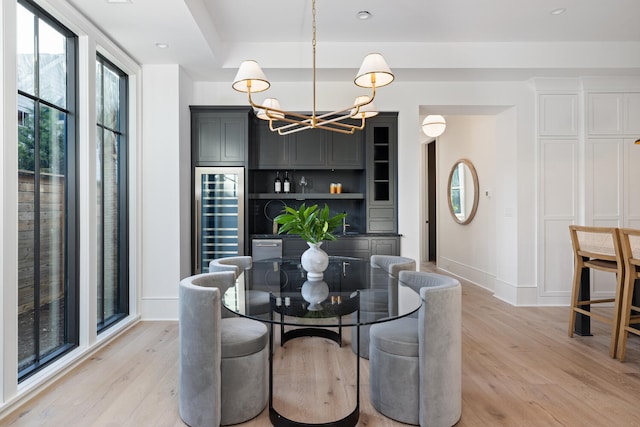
<point x="374" y="72"/>
<point x="365" y="111"/>
<point x="273" y="106"/>
<point x="250" y="78"/>
<point x="434" y="125"/>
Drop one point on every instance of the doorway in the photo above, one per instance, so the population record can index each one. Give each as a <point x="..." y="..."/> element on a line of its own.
<point x="429" y="237"/>
<point x="431" y="197"/>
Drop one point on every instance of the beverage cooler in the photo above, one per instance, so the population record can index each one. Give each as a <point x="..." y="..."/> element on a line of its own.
<point x="218" y="215"/>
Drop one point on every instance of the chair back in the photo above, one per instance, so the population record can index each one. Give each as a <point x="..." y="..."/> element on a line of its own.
<point x="201" y="347"/>
<point x="630" y="244"/>
<point x="237" y="264"/>
<point x="392" y="265"/>
<point x="597" y="247"/>
<point x="629" y="319"/>
<point x="439" y="346"/>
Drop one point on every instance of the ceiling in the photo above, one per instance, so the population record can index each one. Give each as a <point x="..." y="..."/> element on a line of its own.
<point x="421" y="39"/>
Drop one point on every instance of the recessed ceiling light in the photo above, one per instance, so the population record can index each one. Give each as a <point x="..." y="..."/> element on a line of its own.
<point x="162" y="45"/>
<point x="364" y="15"/>
<point x="559" y="11"/>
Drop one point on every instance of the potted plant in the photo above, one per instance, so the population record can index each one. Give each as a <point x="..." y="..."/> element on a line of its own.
<point x="314" y="225"/>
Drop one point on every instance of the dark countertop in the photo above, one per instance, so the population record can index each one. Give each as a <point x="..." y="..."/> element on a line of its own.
<point x="338" y="235"/>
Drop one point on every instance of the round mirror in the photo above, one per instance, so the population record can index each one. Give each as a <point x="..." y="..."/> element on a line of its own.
<point x="462" y="191"/>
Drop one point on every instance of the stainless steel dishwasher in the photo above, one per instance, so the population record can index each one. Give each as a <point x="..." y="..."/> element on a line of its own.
<point x="266" y="248"/>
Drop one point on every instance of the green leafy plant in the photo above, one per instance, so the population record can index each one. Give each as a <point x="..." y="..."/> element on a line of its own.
<point x="311" y="223"/>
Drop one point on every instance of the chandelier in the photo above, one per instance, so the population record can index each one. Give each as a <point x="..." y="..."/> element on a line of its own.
<point x="374" y="72"/>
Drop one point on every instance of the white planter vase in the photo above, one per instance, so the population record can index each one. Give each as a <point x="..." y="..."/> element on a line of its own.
<point x="315" y="292"/>
<point x="314" y="261"/>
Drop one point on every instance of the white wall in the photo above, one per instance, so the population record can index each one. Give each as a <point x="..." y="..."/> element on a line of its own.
<point x="469" y="250"/>
<point x="166" y="189"/>
<point x="8" y="203"/>
<point x="186" y="95"/>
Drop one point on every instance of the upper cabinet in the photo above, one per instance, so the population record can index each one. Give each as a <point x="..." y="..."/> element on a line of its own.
<point x="558" y="114"/>
<point x="345" y="151"/>
<point x="268" y="149"/>
<point x="631" y="114"/>
<point x="310" y="149"/>
<point x="613" y="113"/>
<point x="382" y="148"/>
<point x="220" y="136"/>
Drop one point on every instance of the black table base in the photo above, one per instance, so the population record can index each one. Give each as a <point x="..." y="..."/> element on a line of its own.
<point x="350" y="420"/>
<point x="582" y="326"/>
<point x="583" y="322"/>
<point x="311" y="332"/>
<point x="278" y="420"/>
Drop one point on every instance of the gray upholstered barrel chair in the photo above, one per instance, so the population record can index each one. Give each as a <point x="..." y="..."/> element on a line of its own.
<point x="380" y="301"/>
<point x="415" y="364"/>
<point x="257" y="302"/>
<point x="223" y="366"/>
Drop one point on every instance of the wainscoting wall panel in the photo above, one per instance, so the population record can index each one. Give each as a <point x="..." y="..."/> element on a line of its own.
<point x="587" y="172"/>
<point x="558" y="149"/>
<point x="559" y="172"/>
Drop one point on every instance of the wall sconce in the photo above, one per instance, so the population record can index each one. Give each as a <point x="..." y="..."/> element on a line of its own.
<point x="434" y="125"/>
<point x="637" y="141"/>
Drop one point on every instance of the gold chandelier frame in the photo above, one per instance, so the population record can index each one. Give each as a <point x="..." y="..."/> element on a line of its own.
<point x="373" y="73"/>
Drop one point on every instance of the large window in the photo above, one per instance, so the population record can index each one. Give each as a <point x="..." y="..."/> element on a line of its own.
<point x="111" y="167"/>
<point x="47" y="271"/>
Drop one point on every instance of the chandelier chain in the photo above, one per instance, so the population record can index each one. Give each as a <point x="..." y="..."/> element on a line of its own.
<point x="313" y="43"/>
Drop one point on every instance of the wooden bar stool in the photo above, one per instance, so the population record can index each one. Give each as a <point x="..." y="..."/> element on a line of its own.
<point x="597" y="248"/>
<point x="630" y="242"/>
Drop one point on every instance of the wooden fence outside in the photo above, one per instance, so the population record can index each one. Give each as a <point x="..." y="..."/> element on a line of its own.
<point x="52" y="215"/>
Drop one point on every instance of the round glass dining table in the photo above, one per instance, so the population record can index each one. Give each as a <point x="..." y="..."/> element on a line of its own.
<point x="277" y="291"/>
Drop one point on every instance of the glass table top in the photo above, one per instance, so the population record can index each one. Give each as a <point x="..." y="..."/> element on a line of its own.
<point x="277" y="290"/>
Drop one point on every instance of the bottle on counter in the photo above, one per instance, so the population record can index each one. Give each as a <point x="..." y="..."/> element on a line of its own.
<point x="277" y="184"/>
<point x="286" y="184"/>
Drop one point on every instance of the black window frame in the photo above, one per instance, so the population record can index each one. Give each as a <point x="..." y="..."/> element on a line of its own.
<point x="71" y="224"/>
<point x="123" y="201"/>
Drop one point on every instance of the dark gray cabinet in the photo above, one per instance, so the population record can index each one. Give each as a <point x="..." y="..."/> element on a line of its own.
<point x="385" y="246"/>
<point x="220" y="137"/>
<point x="269" y="149"/>
<point x="356" y="247"/>
<point x="310" y="149"/>
<point x="365" y="163"/>
<point x="382" y="148"/>
<point x="293" y="247"/>
<point x="346" y="151"/>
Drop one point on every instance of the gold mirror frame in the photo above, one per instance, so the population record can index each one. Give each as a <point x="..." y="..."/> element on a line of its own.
<point x="476" y="190"/>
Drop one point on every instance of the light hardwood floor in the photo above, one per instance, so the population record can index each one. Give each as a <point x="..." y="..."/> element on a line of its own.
<point x="519" y="369"/>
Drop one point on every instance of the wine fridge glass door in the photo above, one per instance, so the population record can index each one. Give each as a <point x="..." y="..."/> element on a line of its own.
<point x="218" y="215"/>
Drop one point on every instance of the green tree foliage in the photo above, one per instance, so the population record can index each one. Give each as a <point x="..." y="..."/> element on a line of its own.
<point x="51" y="153"/>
